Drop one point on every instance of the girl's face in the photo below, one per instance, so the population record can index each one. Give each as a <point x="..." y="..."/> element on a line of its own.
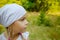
<point x="20" y="25"/>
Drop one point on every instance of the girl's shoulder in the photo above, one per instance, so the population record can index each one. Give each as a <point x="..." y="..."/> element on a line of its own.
<point x="1" y="36"/>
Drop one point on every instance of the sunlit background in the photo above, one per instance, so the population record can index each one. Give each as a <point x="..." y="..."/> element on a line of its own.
<point x="43" y="17"/>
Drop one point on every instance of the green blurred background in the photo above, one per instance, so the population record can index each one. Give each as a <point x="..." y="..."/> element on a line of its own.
<point x="43" y="17"/>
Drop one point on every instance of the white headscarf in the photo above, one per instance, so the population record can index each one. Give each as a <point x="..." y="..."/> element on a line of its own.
<point x="10" y="13"/>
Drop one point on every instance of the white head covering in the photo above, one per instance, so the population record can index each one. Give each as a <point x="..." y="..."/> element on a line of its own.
<point x="10" y="13"/>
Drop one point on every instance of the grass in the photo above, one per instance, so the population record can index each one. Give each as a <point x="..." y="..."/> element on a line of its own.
<point x="41" y="32"/>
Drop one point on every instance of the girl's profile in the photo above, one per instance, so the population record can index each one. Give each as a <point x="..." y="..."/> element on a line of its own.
<point x="12" y="17"/>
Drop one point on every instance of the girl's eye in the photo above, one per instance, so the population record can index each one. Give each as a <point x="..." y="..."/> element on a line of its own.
<point x="22" y="19"/>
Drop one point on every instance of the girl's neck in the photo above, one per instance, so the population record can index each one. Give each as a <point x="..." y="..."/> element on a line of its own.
<point x="14" y="37"/>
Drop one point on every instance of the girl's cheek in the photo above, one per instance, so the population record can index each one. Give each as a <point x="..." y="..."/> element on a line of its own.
<point x="21" y="26"/>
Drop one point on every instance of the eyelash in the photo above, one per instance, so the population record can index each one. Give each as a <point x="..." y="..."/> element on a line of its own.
<point x="22" y="19"/>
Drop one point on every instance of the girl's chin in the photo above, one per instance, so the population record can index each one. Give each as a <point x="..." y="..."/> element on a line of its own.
<point x="22" y="31"/>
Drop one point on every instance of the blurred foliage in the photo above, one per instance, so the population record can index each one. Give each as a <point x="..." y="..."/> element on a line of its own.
<point x="2" y="29"/>
<point x="50" y="6"/>
<point x="49" y="30"/>
<point x="58" y="20"/>
<point x="34" y="5"/>
<point x="48" y="19"/>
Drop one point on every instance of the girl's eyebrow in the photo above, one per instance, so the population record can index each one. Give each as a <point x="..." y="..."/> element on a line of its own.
<point x="22" y="18"/>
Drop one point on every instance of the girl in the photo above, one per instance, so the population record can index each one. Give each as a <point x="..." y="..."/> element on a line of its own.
<point x="12" y="17"/>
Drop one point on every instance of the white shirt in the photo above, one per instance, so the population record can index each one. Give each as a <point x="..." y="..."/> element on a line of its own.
<point x="25" y="35"/>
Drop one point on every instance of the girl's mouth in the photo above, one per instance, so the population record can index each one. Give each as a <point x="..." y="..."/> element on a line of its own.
<point x="25" y="28"/>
